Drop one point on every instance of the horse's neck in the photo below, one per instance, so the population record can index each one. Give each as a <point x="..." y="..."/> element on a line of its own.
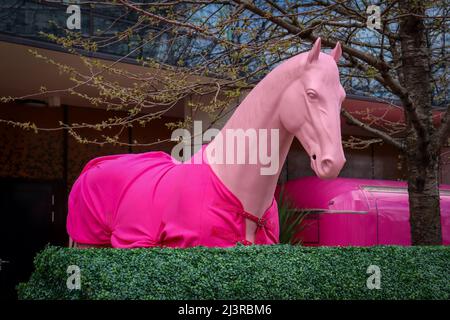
<point x="245" y="181"/>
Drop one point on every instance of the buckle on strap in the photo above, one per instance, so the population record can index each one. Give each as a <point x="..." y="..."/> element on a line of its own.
<point x="260" y="221"/>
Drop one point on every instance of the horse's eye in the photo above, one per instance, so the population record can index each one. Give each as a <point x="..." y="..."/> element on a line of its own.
<point x="312" y="94"/>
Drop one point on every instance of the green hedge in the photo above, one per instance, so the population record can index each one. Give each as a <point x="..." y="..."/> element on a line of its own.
<point x="242" y="272"/>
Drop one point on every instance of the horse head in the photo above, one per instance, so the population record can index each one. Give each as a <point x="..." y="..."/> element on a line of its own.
<point x="310" y="108"/>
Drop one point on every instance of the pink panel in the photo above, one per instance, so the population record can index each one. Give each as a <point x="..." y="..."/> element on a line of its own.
<point x="309" y="234"/>
<point x="348" y="229"/>
<point x="360" y="212"/>
<point x="445" y="219"/>
<point x="393" y="219"/>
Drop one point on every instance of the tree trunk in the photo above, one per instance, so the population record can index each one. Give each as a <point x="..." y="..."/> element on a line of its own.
<point x="423" y="189"/>
<point x="422" y="155"/>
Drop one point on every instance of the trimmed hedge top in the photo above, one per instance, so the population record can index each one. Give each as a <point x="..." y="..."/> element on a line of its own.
<point x="242" y="272"/>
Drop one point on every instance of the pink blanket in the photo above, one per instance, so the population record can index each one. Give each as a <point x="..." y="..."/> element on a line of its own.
<point x="147" y="199"/>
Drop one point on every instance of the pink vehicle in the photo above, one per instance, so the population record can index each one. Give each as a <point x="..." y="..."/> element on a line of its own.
<point x="357" y="212"/>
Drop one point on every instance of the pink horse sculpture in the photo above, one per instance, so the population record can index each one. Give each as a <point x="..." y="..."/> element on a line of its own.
<point x="148" y="199"/>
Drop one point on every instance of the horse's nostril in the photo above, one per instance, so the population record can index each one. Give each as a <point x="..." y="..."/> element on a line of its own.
<point x="314" y="157"/>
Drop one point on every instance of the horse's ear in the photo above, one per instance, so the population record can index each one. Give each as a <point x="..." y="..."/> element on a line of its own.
<point x="313" y="54"/>
<point x="336" y="52"/>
